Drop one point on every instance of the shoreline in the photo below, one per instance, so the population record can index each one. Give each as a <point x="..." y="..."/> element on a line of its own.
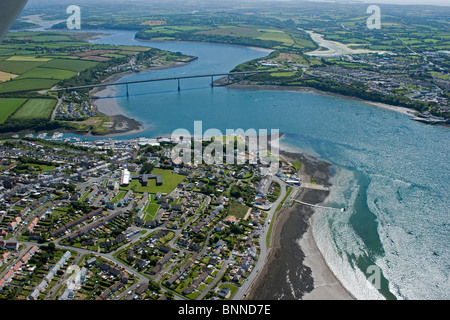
<point x="402" y="110"/>
<point x="104" y="102"/>
<point x="326" y="285"/>
<point x="302" y="272"/>
<point x="218" y="43"/>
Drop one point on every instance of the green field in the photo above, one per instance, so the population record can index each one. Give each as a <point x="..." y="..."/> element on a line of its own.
<point x="19" y="67"/>
<point x="170" y="181"/>
<point x="113" y="56"/>
<point x="35" y="109"/>
<point x="277" y="36"/>
<point x="27" y="85"/>
<point x="133" y="48"/>
<point x="28" y="58"/>
<point x="47" y="73"/>
<point x="150" y="211"/>
<point x="236" y="209"/>
<point x="50" y="38"/>
<point x="70" y="64"/>
<point x="8" y="106"/>
<point x="282" y="74"/>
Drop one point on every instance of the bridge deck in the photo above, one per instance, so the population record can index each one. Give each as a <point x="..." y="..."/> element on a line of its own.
<point x="160" y="79"/>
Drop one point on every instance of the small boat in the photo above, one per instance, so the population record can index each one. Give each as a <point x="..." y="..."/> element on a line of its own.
<point x="343" y="210"/>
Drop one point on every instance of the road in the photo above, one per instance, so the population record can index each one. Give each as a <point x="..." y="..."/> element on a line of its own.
<point x="264" y="250"/>
<point x="240" y="294"/>
<point x="140" y="279"/>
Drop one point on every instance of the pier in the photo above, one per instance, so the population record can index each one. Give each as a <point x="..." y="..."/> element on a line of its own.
<point x="317" y="206"/>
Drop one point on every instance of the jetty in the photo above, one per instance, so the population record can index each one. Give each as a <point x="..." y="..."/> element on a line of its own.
<point x="317" y="206"/>
<point x="432" y="120"/>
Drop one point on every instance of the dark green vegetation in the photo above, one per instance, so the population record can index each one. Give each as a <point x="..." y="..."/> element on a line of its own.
<point x="232" y="29"/>
<point x="8" y="106"/>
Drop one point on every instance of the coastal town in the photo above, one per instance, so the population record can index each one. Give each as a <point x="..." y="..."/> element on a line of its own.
<point x="105" y="196"/>
<point x="121" y="220"/>
<point x="384" y="77"/>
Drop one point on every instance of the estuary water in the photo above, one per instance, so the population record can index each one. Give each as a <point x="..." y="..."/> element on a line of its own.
<point x="390" y="172"/>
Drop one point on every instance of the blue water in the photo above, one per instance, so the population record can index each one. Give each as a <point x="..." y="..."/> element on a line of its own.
<point x="392" y="173"/>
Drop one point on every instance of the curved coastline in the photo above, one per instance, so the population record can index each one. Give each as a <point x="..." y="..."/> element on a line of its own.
<point x="293" y="249"/>
<point x="403" y="110"/>
<point x="311" y="261"/>
<point x="319" y="282"/>
<point x="306" y="238"/>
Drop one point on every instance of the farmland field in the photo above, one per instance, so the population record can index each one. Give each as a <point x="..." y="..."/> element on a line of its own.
<point x="8" y="106"/>
<point x="234" y="32"/>
<point x="49" y="38"/>
<point x="5" y="76"/>
<point x="70" y="64"/>
<point x="36" y="108"/>
<point x="133" y="48"/>
<point x="47" y="73"/>
<point x="26" y="85"/>
<point x="113" y="56"/>
<point x="277" y="36"/>
<point x="19" y="67"/>
<point x="28" y="58"/>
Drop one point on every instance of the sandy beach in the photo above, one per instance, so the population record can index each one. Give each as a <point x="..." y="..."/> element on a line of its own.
<point x="104" y="98"/>
<point x="295" y="269"/>
<point x="326" y="285"/>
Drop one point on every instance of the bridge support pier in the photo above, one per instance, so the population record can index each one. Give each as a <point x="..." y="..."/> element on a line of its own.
<point x="160" y="79"/>
<point x="128" y="92"/>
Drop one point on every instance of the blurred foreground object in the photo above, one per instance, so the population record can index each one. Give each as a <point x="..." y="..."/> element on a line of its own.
<point x="9" y="10"/>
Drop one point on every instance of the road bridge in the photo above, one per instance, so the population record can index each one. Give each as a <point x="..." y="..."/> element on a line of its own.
<point x="178" y="78"/>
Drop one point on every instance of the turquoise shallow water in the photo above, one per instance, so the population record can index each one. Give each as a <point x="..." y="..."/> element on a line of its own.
<point x="392" y="173"/>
